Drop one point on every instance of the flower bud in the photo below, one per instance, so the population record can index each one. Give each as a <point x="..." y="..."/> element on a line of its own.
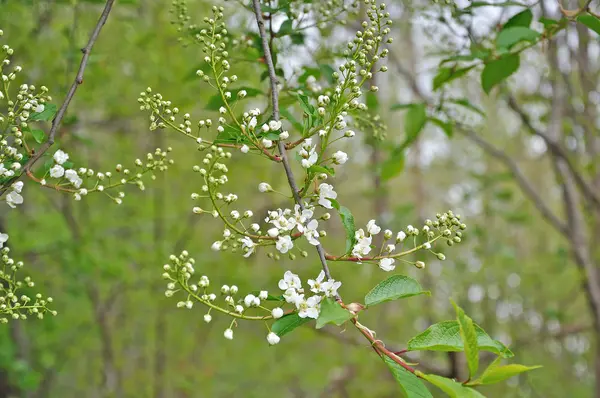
<point x="207" y="318"/>
<point x="228" y="334"/>
<point x="277" y="313"/>
<point x="272" y="338"/>
<point x="420" y="264"/>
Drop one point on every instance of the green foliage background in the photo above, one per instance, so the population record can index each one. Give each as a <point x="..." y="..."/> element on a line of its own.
<point x="116" y="334"/>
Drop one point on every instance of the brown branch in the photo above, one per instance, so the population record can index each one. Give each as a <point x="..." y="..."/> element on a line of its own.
<point x="520" y="178"/>
<point x="71" y="93"/>
<point x="557" y="150"/>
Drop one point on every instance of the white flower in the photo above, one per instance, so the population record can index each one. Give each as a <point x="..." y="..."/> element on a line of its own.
<point x="228" y="334"/>
<point x="249" y="300"/>
<point x="207" y="318"/>
<point x="264" y="187"/>
<point x="267" y="143"/>
<point x="330" y="288"/>
<point x="311" y="233"/>
<point x="40" y="108"/>
<point x="277" y="313"/>
<point x="274" y="125"/>
<point x="3" y="239"/>
<point x="273" y="232"/>
<point x="291" y="295"/>
<point x="427" y="245"/>
<point x="263" y="295"/>
<point x="252" y="123"/>
<point x="302" y="216"/>
<point x="222" y="110"/>
<point x="373" y="228"/>
<point x="272" y="338"/>
<point x="17" y="186"/>
<point x="284" y="244"/>
<point x="13" y="198"/>
<point x="363" y="245"/>
<point x="309" y="158"/>
<point x="284" y="224"/>
<point x="216" y="246"/>
<point x="401" y="236"/>
<point x="226" y="233"/>
<point x="248" y="245"/>
<point x="60" y="157"/>
<point x="390" y="248"/>
<point x="316" y="284"/>
<point x="308" y="308"/>
<point x="387" y="264"/>
<point x="290" y="281"/>
<point x="255" y="227"/>
<point x="244" y="149"/>
<point x="284" y="135"/>
<point x="340" y="157"/>
<point x="264" y="128"/>
<point x="326" y="192"/>
<point x="57" y="171"/>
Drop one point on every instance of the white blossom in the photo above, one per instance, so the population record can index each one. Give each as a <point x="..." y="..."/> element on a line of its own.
<point x="60" y="157"/>
<point x="401" y="236"/>
<point x="326" y="193"/>
<point x="264" y="187"/>
<point x="277" y="313"/>
<point x="387" y="264"/>
<point x="3" y="239"/>
<point x="228" y="334"/>
<point x="284" y="244"/>
<point x="248" y="245"/>
<point x="57" y="171"/>
<point x="308" y="307"/>
<point x="340" y="157"/>
<point x="290" y="281"/>
<point x="244" y="148"/>
<point x="311" y="233"/>
<point x="373" y="228"/>
<point x="249" y="300"/>
<point x="272" y="338"/>
<point x="316" y="284"/>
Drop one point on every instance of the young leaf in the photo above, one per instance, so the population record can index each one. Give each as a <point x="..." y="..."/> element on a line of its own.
<point x="321" y="169"/>
<point x="348" y="222"/>
<point x="511" y="36"/>
<point x="523" y="18"/>
<point x="285" y="29"/>
<point x="452" y="388"/>
<point x="590" y="21"/>
<point x="445" y="336"/>
<point x="393" y="165"/>
<point x="445" y="126"/>
<point x="46" y="115"/>
<point x="465" y="103"/>
<point x="38" y="135"/>
<point x="446" y="75"/>
<point x="414" y="121"/>
<point x="332" y="312"/>
<point x="393" y="288"/>
<point x="287" y="323"/>
<point x="496" y="373"/>
<point x="498" y="70"/>
<point x="410" y="384"/>
<point x="469" y="338"/>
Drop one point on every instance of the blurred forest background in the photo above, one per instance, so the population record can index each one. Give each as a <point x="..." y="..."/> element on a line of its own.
<point x="116" y="335"/>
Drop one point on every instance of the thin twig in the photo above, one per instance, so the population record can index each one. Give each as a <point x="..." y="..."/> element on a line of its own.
<point x="275" y="102"/>
<point x="63" y="109"/>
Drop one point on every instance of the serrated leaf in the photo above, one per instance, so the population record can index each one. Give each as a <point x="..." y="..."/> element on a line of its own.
<point x="446" y="75"/>
<point x="287" y="323"/>
<point x="452" y="388"/>
<point x="38" y="135"/>
<point x="46" y="115"/>
<point x="410" y="384"/>
<point x="469" y="338"/>
<point x="496" y="373"/>
<point x="445" y="336"/>
<point x="305" y="105"/>
<point x="332" y="312"/>
<point x="348" y="223"/>
<point x="511" y="36"/>
<point x="590" y="21"/>
<point x="393" y="166"/>
<point x="523" y="18"/>
<point x="498" y="70"/>
<point x="446" y="127"/>
<point x="393" y="288"/>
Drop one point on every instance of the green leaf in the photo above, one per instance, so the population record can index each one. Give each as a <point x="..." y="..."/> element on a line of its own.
<point x="286" y="28"/>
<point x="305" y="105"/>
<point x="511" y="36"/>
<point x="372" y="101"/>
<point x="452" y="388"/>
<point x="348" y="222"/>
<point x="445" y="336"/>
<point x="410" y="384"/>
<point x="321" y="169"/>
<point x="523" y="19"/>
<point x="393" y="165"/>
<point x="414" y="121"/>
<point x="590" y="21"/>
<point x="332" y="312"/>
<point x="469" y="338"/>
<point x="446" y="75"/>
<point x="287" y="323"/>
<point x="396" y="107"/>
<point x="46" y="115"/>
<point x="445" y="126"/>
<point x="496" y="373"/>
<point x="38" y="135"/>
<point x="465" y="103"/>
<point x="498" y="70"/>
<point x="393" y="288"/>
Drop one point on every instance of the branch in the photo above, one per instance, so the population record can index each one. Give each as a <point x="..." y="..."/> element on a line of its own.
<point x="275" y="102"/>
<point x="71" y="93"/>
<point x="558" y="151"/>
<point x="522" y="181"/>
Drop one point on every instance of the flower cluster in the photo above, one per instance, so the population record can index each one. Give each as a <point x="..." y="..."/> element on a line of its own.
<point x="294" y="293"/>
<point x="14" y="305"/>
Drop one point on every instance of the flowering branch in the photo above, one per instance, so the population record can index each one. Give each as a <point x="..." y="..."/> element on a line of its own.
<point x="71" y="93"/>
